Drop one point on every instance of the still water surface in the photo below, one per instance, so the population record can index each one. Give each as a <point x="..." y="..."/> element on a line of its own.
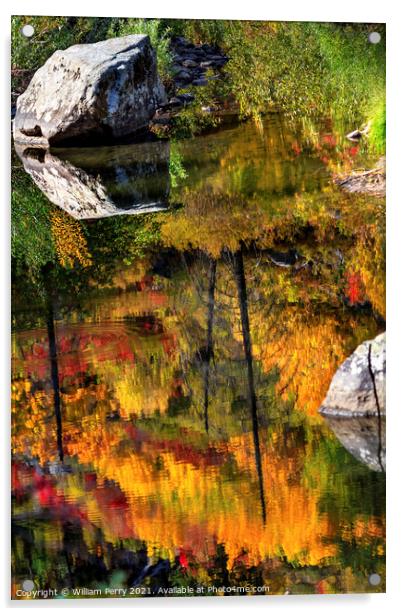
<point x="165" y="405"/>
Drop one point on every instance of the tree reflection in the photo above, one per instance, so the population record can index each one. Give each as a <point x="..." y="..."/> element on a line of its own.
<point x="209" y="346"/>
<point x="236" y="262"/>
<point x="54" y="368"/>
<point x="238" y="268"/>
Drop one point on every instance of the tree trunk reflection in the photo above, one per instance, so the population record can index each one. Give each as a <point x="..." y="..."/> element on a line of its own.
<point x="238" y="267"/>
<point x="54" y="369"/>
<point x="209" y="347"/>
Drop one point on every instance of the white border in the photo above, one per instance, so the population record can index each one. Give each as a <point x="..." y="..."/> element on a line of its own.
<point x="304" y="10"/>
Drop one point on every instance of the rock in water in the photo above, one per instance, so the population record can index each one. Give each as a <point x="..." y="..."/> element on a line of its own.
<point x="355" y="403"/>
<point x="99" y="91"/>
<point x="351" y="392"/>
<point x="355" y="135"/>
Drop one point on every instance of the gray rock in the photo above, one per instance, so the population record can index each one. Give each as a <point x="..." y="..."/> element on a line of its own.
<point x="207" y="64"/>
<point x="184" y="75"/>
<point x="354" y="406"/>
<point x="176" y="69"/>
<point x="180" y="40"/>
<point x="102" y="90"/>
<point x="355" y="135"/>
<point x="189" y="63"/>
<point x="186" y="97"/>
<point x="198" y="52"/>
<point x="202" y="81"/>
<point x="175" y="102"/>
<point x="218" y="58"/>
<point x="190" y="55"/>
<point x="97" y="182"/>
<point x="207" y="48"/>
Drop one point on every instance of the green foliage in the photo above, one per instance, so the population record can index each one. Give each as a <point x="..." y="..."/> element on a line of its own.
<point x="193" y="121"/>
<point x="301" y="68"/>
<point x="304" y="68"/>
<point x="353" y="68"/>
<point x="31" y="236"/>
<point x="198" y="31"/>
<point x="176" y="169"/>
<point x="377" y="134"/>
<point x="197" y="117"/>
<point x="51" y="33"/>
<point x="272" y="65"/>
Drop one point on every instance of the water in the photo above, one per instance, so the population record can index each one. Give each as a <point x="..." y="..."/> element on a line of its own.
<point x="166" y="431"/>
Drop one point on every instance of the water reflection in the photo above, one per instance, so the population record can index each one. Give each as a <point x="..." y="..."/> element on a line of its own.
<point x="264" y="487"/>
<point x="102" y="181"/>
<point x="165" y="425"/>
<point x="363" y="437"/>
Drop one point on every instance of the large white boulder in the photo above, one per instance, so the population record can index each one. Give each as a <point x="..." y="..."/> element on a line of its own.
<point x="99" y="91"/>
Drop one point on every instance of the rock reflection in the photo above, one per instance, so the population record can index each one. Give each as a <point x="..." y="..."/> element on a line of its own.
<point x="362" y="437"/>
<point x="102" y="181"/>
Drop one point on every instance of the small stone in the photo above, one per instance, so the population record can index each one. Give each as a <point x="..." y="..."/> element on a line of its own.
<point x="198" y="52"/>
<point x="180" y="40"/>
<point x="189" y="55"/>
<point x="209" y="109"/>
<point x="218" y="58"/>
<point x="189" y="63"/>
<point x="355" y="135"/>
<point x="200" y="82"/>
<point x="162" y="121"/>
<point x="175" y="102"/>
<point x="176" y="69"/>
<point x="184" y="75"/>
<point x="207" y="64"/>
<point x="186" y="97"/>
